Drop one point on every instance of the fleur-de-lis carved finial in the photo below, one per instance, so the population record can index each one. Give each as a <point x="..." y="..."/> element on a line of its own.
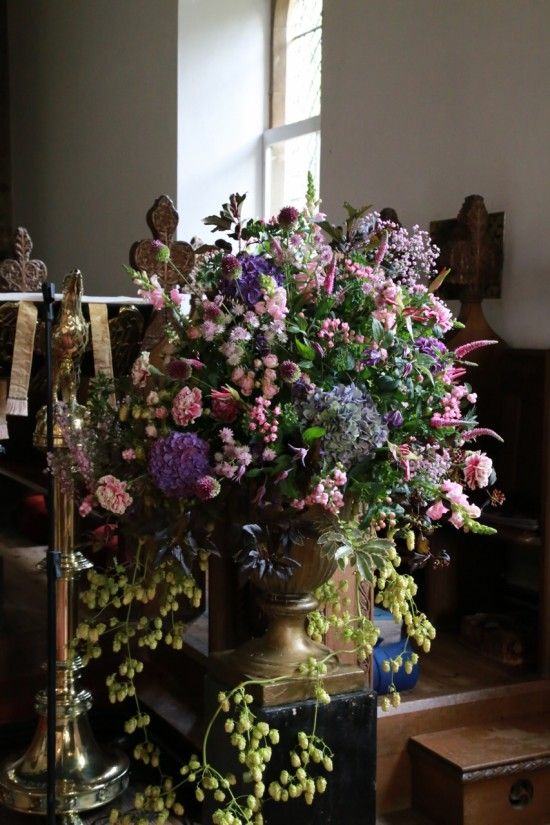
<point x="163" y="220"/>
<point x="21" y="274"/>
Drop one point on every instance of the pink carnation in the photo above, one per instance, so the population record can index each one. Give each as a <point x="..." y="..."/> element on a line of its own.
<point x="186" y="406"/>
<point x="111" y="495"/>
<point x="477" y="469"/>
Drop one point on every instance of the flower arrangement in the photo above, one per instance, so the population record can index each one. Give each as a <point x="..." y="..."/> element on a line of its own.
<point x="310" y="374"/>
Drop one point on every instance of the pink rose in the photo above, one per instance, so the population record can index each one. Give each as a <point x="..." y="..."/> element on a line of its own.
<point x="186" y="406"/>
<point x="111" y="495"/>
<point x="477" y="469"/>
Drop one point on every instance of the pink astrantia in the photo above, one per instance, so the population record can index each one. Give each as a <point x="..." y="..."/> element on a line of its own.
<point x="477" y="469"/>
<point x="112" y="496"/>
<point x="187" y="406"/>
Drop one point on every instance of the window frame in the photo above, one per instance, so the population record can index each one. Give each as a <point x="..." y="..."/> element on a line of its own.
<point x="279" y="131"/>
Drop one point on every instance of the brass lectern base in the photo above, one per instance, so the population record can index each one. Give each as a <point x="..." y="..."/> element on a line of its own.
<point x="88" y="776"/>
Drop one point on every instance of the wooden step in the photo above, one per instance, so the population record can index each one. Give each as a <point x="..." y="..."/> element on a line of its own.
<point x="493" y="774"/>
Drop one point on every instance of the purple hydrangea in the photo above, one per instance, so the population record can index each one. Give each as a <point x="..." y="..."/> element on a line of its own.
<point x="248" y="285"/>
<point x="177" y="462"/>
<point x="353" y="426"/>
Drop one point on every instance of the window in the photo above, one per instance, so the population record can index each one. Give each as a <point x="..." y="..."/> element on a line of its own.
<point x="293" y="143"/>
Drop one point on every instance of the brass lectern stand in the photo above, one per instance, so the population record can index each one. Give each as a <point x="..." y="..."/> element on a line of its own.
<point x="86" y="776"/>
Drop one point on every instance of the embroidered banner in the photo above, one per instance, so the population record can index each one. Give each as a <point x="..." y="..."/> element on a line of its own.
<point x="23" y="347"/>
<point x="3" y="401"/>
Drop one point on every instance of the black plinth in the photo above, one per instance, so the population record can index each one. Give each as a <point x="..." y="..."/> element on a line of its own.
<point x="348" y="725"/>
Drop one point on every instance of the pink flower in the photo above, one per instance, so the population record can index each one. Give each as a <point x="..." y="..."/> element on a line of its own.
<point x="270" y="360"/>
<point x="140" y="370"/>
<point x="129" y="454"/>
<point x="85" y="506"/>
<point x="111" y="495"/>
<point x="466" y="349"/>
<point x="187" y="406"/>
<point x="224" y="406"/>
<point x="441" y="314"/>
<point x="176" y="296"/>
<point x="386" y="318"/>
<point x="437" y="511"/>
<point x="477" y="469"/>
<point x="209" y="330"/>
<point x="456" y="519"/>
<point x="207" y="487"/>
<point x="151" y="431"/>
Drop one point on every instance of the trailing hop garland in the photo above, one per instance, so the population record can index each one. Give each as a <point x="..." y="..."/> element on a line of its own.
<point x="309" y="378"/>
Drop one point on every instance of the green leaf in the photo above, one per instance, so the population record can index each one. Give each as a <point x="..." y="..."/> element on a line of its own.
<point x="312" y="434"/>
<point x="305" y="349"/>
<point x="377" y="329"/>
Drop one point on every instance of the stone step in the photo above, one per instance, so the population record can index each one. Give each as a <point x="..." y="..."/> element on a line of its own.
<point x="490" y="774"/>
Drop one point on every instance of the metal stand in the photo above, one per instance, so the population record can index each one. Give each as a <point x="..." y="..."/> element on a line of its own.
<point x="64" y="771"/>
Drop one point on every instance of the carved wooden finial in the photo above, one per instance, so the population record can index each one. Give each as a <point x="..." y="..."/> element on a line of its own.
<point x="472" y="248"/>
<point x="163" y="220"/>
<point x="20" y="274"/>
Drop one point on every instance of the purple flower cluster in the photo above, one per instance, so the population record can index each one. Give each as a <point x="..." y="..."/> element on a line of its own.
<point x="434" y="348"/>
<point x="177" y="462"/>
<point x="248" y="285"/>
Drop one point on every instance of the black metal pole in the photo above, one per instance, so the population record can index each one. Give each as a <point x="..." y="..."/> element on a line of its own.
<point x="48" y="291"/>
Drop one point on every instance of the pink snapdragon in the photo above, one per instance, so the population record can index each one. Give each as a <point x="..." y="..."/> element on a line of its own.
<point x="187" y="406"/>
<point x="154" y="296"/>
<point x="477" y="469"/>
<point x="176" y="296"/>
<point x="437" y="511"/>
<point x="112" y="496"/>
<point x="460" y="505"/>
